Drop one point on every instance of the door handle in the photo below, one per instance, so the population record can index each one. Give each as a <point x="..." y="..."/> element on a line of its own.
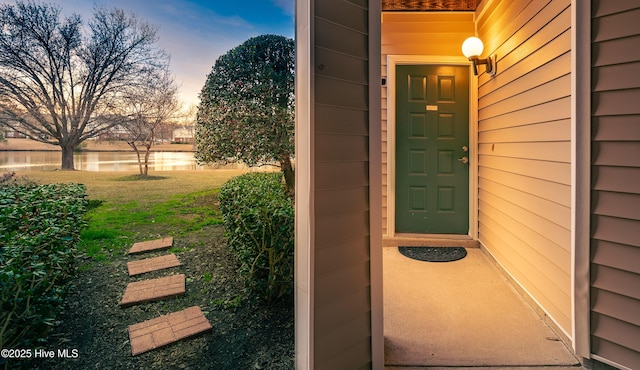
<point x="464" y="159"/>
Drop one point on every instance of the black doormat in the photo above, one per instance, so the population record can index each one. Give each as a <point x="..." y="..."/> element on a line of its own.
<point x="434" y="254"/>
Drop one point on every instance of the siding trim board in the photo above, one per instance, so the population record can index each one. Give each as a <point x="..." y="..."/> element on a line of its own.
<point x="304" y="232"/>
<point x="580" y="174"/>
<point x="375" y="185"/>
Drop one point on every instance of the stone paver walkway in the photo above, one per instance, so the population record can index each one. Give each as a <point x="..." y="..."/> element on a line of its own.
<point x="166" y="329"/>
<point x="152" y="264"/>
<point x="153" y="290"/>
<point x="152" y="245"/>
<point x="163" y="330"/>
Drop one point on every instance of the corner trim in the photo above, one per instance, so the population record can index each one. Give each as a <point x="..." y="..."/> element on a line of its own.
<point x="375" y="187"/>
<point x="581" y="175"/>
<point x="304" y="207"/>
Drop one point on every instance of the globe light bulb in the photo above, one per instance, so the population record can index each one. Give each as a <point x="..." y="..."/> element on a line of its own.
<point x="472" y="47"/>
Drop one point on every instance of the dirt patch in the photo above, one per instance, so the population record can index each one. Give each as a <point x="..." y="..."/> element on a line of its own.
<point x="246" y="334"/>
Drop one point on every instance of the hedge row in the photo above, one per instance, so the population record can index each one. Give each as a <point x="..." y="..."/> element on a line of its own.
<point x="39" y="231"/>
<point x="259" y="225"/>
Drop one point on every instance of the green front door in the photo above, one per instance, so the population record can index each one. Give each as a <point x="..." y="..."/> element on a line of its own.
<point x="432" y="140"/>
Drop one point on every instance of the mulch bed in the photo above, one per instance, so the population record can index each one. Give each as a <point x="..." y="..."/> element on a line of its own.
<point x="246" y="333"/>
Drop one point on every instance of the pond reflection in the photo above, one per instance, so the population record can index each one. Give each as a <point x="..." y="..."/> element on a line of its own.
<point x="97" y="161"/>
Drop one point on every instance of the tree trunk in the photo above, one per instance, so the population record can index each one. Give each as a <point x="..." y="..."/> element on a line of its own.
<point x="67" y="156"/>
<point x="289" y="176"/>
<point x="133" y="145"/>
<point x="146" y="161"/>
<point x="139" y="162"/>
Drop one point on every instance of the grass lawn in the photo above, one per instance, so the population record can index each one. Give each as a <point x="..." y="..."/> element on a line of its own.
<point x="167" y="203"/>
<point x="246" y="333"/>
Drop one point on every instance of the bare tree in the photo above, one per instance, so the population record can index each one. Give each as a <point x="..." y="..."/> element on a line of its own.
<point x="147" y="110"/>
<point x="59" y="79"/>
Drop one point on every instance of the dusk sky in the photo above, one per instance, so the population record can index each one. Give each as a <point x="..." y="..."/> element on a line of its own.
<point x="196" y="32"/>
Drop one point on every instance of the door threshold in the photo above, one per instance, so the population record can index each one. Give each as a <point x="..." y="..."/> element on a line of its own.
<point x="432" y="240"/>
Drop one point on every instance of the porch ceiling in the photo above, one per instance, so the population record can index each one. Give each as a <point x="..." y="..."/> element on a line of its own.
<point x="429" y="5"/>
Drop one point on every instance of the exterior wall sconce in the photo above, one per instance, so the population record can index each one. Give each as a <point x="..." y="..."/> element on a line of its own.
<point x="472" y="48"/>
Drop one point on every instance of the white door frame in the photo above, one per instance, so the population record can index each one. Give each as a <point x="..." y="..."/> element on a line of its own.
<point x="392" y="62"/>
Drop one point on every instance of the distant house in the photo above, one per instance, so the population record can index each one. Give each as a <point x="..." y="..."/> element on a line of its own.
<point x="543" y="171"/>
<point x="115" y="133"/>
<point x="12" y="134"/>
<point x="183" y="134"/>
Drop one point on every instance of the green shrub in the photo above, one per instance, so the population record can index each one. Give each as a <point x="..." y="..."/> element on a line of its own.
<point x="259" y="224"/>
<point x="39" y="230"/>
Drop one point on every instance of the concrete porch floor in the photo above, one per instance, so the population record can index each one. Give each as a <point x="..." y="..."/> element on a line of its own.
<point x="462" y="314"/>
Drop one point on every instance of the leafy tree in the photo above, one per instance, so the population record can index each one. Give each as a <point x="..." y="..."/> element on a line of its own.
<point x="60" y="78"/>
<point x="247" y="106"/>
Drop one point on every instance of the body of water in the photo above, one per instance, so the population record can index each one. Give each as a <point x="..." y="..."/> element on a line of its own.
<point x="97" y="161"/>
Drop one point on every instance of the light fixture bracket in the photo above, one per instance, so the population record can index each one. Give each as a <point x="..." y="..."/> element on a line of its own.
<point x="490" y="64"/>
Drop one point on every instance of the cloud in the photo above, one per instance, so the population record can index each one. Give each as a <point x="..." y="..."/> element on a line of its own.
<point x="287" y="6"/>
<point x="196" y="32"/>
<point x="194" y="15"/>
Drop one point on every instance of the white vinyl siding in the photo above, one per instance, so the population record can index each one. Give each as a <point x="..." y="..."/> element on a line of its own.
<point x="524" y="148"/>
<point x="335" y="297"/>
<point x="615" y="193"/>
